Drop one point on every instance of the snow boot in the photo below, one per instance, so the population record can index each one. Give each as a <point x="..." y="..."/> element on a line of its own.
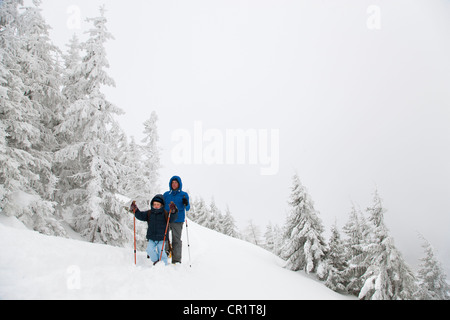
<point x="169" y="251"/>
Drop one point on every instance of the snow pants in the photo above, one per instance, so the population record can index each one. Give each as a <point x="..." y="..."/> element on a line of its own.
<point x="154" y="249"/>
<point x="177" y="229"/>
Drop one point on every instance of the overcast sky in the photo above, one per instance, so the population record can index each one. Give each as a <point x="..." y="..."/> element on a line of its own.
<point x="359" y="92"/>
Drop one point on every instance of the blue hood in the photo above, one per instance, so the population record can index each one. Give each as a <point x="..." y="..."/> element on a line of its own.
<point x="177" y="197"/>
<point x="180" y="188"/>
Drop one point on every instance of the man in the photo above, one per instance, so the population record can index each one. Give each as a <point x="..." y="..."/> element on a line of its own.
<point x="181" y="200"/>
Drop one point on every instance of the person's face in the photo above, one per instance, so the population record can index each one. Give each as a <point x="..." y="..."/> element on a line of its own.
<point x="157" y="205"/>
<point x="175" y="185"/>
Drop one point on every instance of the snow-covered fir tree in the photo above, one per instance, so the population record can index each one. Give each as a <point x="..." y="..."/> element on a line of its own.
<point x="388" y="277"/>
<point x="273" y="238"/>
<point x="200" y="213"/>
<point x="72" y="76"/>
<point x="211" y="217"/>
<point x="134" y="184"/>
<point x="431" y="278"/>
<point x="89" y="186"/>
<point x="72" y="90"/>
<point x="11" y="95"/>
<point x="192" y="214"/>
<point x="335" y="263"/>
<point x="278" y="239"/>
<point x="252" y="233"/>
<point x="152" y="155"/>
<point x="215" y="217"/>
<point x="30" y="96"/>
<point x="41" y="72"/>
<point x="357" y="233"/>
<point x="304" y="246"/>
<point x="269" y="238"/>
<point x="229" y="227"/>
<point x="9" y="12"/>
<point x="63" y="155"/>
<point x="42" y="81"/>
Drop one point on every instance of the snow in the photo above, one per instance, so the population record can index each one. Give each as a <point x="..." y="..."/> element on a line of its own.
<point x="23" y="200"/>
<point x="35" y="266"/>
<point x="123" y="199"/>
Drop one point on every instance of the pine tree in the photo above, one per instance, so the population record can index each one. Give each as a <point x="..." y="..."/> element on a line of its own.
<point x="152" y="155"/>
<point x="193" y="211"/>
<point x="200" y="213"/>
<point x="278" y="240"/>
<point x="88" y="189"/>
<point x="304" y="247"/>
<point x="357" y="232"/>
<point x="229" y="225"/>
<point x="253" y="234"/>
<point x="215" y="217"/>
<point x="432" y="283"/>
<point x="41" y="73"/>
<point x="29" y="90"/>
<point x="388" y="277"/>
<point x="273" y="238"/>
<point x="335" y="262"/>
<point x="134" y="184"/>
<point x="9" y="12"/>
<point x="142" y="163"/>
<point x="10" y="96"/>
<point x="72" y="76"/>
<point x="269" y="238"/>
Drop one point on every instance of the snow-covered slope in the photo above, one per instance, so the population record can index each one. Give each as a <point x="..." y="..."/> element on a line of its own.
<point x="34" y="266"/>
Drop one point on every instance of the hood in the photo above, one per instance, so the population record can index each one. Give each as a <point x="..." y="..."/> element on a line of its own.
<point x="179" y="182"/>
<point x="158" y="198"/>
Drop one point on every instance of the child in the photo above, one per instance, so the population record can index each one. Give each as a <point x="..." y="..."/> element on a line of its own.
<point x="156" y="219"/>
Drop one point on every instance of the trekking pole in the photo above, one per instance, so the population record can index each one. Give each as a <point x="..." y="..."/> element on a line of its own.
<point x="134" y="227"/>
<point x="134" y="223"/>
<point x="187" y="235"/>
<point x="189" y="246"/>
<point x="165" y="235"/>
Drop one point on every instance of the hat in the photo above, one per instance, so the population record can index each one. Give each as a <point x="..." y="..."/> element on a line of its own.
<point x="158" y="198"/>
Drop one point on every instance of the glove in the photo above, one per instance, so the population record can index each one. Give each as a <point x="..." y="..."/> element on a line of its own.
<point x="173" y="207"/>
<point x="185" y="201"/>
<point x="133" y="207"/>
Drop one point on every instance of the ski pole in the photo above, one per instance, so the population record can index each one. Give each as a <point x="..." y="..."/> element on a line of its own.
<point x="134" y="227"/>
<point x="189" y="246"/>
<point x="187" y="235"/>
<point x="165" y="235"/>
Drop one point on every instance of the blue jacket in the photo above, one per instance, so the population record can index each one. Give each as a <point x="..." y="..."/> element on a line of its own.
<point x="156" y="220"/>
<point x="177" y="197"/>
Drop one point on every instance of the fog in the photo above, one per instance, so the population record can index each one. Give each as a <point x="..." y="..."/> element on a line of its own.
<point x="358" y="92"/>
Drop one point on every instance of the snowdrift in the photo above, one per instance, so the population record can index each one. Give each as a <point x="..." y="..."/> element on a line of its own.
<point x="34" y="266"/>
